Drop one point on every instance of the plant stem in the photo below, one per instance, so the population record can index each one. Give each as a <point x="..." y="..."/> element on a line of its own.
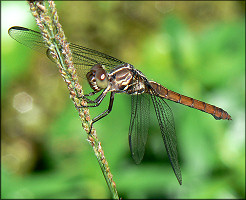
<point x="46" y="17"/>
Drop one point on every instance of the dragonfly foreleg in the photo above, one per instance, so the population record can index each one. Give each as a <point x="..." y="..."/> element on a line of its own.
<point x="88" y="100"/>
<point x="84" y="97"/>
<point x="90" y="94"/>
<point x="95" y="102"/>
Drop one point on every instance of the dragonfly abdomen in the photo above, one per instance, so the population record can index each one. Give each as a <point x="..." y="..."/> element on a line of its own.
<point x="216" y="112"/>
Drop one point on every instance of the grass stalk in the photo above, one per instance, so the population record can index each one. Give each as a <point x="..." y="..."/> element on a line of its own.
<point x="46" y="17"/>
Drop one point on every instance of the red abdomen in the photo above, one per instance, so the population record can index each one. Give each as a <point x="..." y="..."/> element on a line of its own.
<point x="216" y="112"/>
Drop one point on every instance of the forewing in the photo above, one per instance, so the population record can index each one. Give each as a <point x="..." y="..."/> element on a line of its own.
<point x="166" y="122"/>
<point x="83" y="58"/>
<point x="28" y="37"/>
<point x="139" y="125"/>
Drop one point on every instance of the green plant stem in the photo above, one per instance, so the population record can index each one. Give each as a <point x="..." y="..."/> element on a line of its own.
<point x="47" y="19"/>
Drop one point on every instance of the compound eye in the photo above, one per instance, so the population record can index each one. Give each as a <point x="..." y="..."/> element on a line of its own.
<point x="101" y="75"/>
<point x="101" y="78"/>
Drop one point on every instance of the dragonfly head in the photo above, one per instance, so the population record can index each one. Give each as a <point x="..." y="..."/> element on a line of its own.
<point x="97" y="77"/>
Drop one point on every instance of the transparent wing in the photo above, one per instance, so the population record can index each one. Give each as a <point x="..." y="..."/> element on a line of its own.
<point x="28" y="37"/>
<point x="166" y="122"/>
<point x="139" y="125"/>
<point x="83" y="58"/>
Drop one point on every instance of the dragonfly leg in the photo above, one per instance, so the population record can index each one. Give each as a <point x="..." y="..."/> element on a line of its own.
<point x="90" y="94"/>
<point x="84" y="97"/>
<point x="96" y="102"/>
<point x="106" y="112"/>
<point x="88" y="100"/>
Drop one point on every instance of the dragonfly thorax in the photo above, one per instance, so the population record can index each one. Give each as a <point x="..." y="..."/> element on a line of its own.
<point x="126" y="79"/>
<point x="97" y="77"/>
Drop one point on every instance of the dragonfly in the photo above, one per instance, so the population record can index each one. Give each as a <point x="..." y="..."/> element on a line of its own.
<point x="107" y="74"/>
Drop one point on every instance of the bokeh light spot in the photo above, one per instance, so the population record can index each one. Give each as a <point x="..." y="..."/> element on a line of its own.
<point x="23" y="102"/>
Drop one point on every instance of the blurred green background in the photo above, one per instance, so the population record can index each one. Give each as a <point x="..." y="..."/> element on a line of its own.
<point x="194" y="48"/>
